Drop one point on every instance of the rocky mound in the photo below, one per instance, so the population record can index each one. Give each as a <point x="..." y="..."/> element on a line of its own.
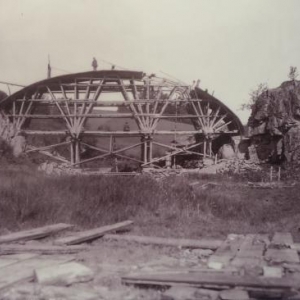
<point x="274" y="124"/>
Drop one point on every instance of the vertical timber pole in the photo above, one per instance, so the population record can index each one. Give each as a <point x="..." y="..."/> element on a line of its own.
<point x="72" y="151"/>
<point x="150" y="148"/>
<point x="77" y="151"/>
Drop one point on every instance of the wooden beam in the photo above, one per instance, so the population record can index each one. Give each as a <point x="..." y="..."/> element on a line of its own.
<point x="172" y="242"/>
<point x="123" y="133"/>
<point x="33" y="234"/>
<point x="88" y="235"/>
<point x="47" y="147"/>
<point x="110" y="102"/>
<point x="200" y="279"/>
<point x="95" y="115"/>
<point x="45" y="152"/>
<point x="41" y="249"/>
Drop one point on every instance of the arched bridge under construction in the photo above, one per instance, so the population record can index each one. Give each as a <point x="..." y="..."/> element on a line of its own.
<point x="102" y="118"/>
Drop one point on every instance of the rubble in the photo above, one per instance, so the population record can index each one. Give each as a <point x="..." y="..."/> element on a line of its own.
<point x="58" y="169"/>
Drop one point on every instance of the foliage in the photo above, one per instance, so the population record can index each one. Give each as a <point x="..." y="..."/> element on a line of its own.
<point x="254" y="95"/>
<point x="293" y="74"/>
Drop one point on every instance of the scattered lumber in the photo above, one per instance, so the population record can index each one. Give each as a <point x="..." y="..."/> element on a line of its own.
<point x="64" y="274"/>
<point x="88" y="235"/>
<point x="183" y="243"/>
<point x="24" y="270"/>
<point x="33" y="234"/>
<point x="206" y="279"/>
<point x="41" y="249"/>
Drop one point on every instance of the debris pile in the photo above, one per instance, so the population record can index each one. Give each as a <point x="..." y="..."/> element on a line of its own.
<point x="160" y="174"/>
<point x="237" y="166"/>
<point x="54" y="168"/>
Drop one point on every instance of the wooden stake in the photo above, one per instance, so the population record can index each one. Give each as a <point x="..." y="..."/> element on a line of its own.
<point x="271" y="174"/>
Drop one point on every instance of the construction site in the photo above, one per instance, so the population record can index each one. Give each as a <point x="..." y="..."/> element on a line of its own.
<point x="154" y="132"/>
<point x="127" y="182"/>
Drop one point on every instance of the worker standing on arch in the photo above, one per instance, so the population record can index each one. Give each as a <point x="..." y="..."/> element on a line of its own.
<point x="94" y="64"/>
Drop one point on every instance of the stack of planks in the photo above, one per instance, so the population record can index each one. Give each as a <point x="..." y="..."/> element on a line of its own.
<point x="266" y="269"/>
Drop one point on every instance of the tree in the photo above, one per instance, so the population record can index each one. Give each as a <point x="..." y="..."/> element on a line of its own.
<point x="293" y="73"/>
<point x="254" y="95"/>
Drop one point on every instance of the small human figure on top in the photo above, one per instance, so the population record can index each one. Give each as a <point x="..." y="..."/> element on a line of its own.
<point x="94" y="64"/>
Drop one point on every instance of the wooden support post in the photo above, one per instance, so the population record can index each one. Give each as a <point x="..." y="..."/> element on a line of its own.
<point x="145" y="151"/>
<point x="278" y="174"/>
<point x="77" y="151"/>
<point x="150" y="149"/>
<point x="72" y="152"/>
<point x="271" y="173"/>
<point x="204" y="148"/>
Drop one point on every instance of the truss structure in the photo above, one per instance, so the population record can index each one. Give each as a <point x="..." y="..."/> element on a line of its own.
<point x="55" y="114"/>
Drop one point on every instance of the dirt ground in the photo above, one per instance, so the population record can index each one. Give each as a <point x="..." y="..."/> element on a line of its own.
<point x="109" y="260"/>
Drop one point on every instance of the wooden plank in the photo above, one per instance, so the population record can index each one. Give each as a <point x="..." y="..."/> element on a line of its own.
<point x="85" y="236"/>
<point x="226" y="251"/>
<point x="282" y="255"/>
<point x="33" y="234"/>
<point x="42" y="249"/>
<point x="182" y="243"/>
<point x="204" y="279"/>
<point x="24" y="270"/>
<point x="282" y="239"/>
<point x="249" y="254"/>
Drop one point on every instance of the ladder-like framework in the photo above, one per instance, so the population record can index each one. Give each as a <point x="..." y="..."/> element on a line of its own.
<point x="72" y="101"/>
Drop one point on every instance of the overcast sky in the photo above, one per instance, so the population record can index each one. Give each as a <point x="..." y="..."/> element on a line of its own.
<point x="231" y="45"/>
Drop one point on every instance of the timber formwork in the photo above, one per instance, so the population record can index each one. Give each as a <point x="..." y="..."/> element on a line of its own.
<point x="72" y="100"/>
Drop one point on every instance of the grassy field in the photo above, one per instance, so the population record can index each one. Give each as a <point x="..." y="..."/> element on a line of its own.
<point x="171" y="207"/>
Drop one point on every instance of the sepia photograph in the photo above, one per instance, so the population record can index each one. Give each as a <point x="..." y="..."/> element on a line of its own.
<point x="149" y="149"/>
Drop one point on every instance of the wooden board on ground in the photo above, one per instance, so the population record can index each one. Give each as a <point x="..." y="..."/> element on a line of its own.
<point x="33" y="234"/>
<point x="226" y="251"/>
<point x="205" y="279"/>
<point x="41" y="249"/>
<point x="282" y="239"/>
<point x="282" y="256"/>
<point x="249" y="253"/>
<point x="13" y="259"/>
<point x="182" y="243"/>
<point x="24" y="270"/>
<point x="88" y="235"/>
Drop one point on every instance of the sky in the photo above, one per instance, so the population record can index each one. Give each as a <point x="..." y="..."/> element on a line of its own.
<point x="230" y="45"/>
